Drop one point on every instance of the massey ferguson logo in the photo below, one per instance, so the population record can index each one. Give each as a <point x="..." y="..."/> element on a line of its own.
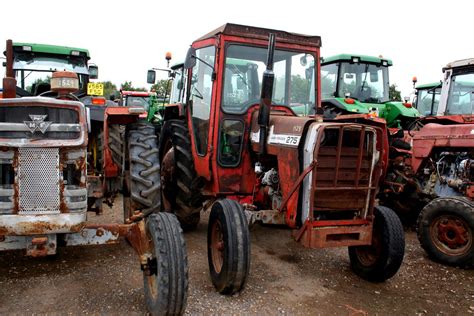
<point x="37" y="123"/>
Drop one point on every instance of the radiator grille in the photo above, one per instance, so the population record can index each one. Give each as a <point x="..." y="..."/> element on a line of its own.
<point x="38" y="180"/>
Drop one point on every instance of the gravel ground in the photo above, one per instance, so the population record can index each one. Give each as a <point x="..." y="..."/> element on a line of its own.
<point x="285" y="278"/>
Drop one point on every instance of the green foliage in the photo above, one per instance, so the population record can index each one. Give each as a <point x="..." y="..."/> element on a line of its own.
<point x="299" y="89"/>
<point x="394" y="94"/>
<point x="110" y="90"/>
<point x="128" y="86"/>
<point x="162" y="87"/>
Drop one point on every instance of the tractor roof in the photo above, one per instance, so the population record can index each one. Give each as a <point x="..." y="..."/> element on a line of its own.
<point x="428" y="85"/>
<point x="50" y="49"/>
<point x="177" y="65"/>
<point x="460" y="63"/>
<point x="349" y="57"/>
<point x="263" y="33"/>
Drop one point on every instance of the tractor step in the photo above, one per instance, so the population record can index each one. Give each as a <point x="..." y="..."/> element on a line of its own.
<point x="343" y="233"/>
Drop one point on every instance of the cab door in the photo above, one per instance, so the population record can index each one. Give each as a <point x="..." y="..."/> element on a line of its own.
<point x="200" y="119"/>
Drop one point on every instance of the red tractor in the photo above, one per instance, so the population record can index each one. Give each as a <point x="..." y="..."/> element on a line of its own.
<point x="437" y="174"/>
<point x="55" y="167"/>
<point x="236" y="144"/>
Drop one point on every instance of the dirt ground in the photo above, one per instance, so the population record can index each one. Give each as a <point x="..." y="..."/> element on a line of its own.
<point x="285" y="278"/>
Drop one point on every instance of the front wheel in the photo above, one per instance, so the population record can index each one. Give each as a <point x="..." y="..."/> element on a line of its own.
<point x="228" y="246"/>
<point x="382" y="259"/>
<point x="166" y="282"/>
<point x="445" y="230"/>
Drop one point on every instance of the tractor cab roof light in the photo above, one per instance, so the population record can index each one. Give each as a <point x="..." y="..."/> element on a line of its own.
<point x="384" y="63"/>
<point x="355" y="60"/>
<point x="75" y="53"/>
<point x="27" y="48"/>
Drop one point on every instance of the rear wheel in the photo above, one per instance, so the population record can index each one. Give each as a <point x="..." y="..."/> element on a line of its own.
<point x="142" y="189"/>
<point x="382" y="259"/>
<point x="116" y="142"/>
<point x="166" y="281"/>
<point x="445" y="230"/>
<point x="228" y="246"/>
<point x="182" y="186"/>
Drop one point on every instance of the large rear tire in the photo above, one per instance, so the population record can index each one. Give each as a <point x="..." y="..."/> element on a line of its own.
<point x="445" y="230"/>
<point x="142" y="188"/>
<point x="381" y="260"/>
<point x="182" y="186"/>
<point x="228" y="246"/>
<point x="166" y="284"/>
<point x="116" y="142"/>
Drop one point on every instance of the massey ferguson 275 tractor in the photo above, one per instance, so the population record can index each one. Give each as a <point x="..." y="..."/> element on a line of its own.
<point x="237" y="145"/>
<point x="53" y="171"/>
<point x="438" y="173"/>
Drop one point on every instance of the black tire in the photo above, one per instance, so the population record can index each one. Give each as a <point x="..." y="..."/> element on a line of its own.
<point x="183" y="191"/>
<point x="445" y="229"/>
<point x="381" y="260"/>
<point x="142" y="187"/>
<point x="228" y="246"/>
<point x="117" y="144"/>
<point x="166" y="289"/>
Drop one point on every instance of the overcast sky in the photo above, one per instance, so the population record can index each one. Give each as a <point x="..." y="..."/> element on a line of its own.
<point x="125" y="38"/>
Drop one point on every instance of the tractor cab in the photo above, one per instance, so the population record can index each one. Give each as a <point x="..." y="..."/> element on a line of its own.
<point x="457" y="94"/>
<point x="34" y="65"/>
<point x="359" y="84"/>
<point x="427" y="97"/>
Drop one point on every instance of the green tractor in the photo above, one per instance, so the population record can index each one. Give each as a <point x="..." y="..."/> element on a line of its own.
<point x="359" y="84"/>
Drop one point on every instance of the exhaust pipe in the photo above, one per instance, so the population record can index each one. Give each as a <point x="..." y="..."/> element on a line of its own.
<point x="9" y="82"/>
<point x="266" y="95"/>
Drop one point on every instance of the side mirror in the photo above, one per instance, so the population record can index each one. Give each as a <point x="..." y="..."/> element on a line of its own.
<point x="190" y="60"/>
<point x="151" y="76"/>
<point x="93" y="72"/>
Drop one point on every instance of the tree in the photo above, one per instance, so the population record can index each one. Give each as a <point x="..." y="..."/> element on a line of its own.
<point x="162" y="87"/>
<point x="394" y="94"/>
<point x="110" y="90"/>
<point x="128" y="86"/>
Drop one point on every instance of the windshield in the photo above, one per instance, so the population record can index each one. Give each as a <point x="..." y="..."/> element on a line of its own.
<point x="428" y="100"/>
<point x="460" y="99"/>
<point x="33" y="73"/>
<point x="244" y="67"/>
<point x="178" y="88"/>
<point x="137" y="101"/>
<point x="364" y="82"/>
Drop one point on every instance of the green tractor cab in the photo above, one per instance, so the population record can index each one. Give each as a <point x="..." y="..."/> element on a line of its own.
<point x="359" y="84"/>
<point x="427" y="98"/>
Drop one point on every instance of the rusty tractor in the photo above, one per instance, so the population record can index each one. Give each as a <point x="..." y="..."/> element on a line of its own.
<point x="437" y="175"/>
<point x="53" y="171"/>
<point x="237" y="147"/>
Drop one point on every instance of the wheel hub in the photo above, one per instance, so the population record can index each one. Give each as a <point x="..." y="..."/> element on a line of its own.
<point x="217" y="246"/>
<point x="451" y="235"/>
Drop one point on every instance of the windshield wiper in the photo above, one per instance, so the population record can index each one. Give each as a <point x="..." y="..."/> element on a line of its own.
<point x="365" y="78"/>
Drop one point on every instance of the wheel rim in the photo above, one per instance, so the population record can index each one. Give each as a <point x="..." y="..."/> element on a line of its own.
<point x="451" y="235"/>
<point x="217" y="246"/>
<point x="152" y="279"/>
<point x="368" y="255"/>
